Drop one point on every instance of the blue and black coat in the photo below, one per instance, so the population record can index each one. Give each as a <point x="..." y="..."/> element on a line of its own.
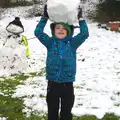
<point x="61" y="53"/>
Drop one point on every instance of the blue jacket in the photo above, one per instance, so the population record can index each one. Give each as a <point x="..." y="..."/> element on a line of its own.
<point x="61" y="54"/>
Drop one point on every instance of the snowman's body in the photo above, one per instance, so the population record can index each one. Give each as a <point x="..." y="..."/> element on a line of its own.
<point x="13" y="57"/>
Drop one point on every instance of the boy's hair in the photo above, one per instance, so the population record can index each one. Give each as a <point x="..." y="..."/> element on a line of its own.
<point x="68" y="27"/>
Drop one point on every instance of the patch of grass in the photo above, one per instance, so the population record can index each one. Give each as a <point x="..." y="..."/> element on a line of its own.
<point x="8" y="85"/>
<point x="11" y="108"/>
<point x="42" y="72"/>
<point x="86" y="117"/>
<point x="33" y="74"/>
<point x="110" y="117"/>
<point x="34" y="117"/>
<point x="77" y="87"/>
<point x="117" y="104"/>
<point x="21" y="77"/>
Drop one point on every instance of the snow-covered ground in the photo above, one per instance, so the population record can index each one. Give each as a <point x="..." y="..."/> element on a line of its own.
<point x="97" y="85"/>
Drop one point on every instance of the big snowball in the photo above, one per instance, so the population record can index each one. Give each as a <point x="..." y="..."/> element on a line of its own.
<point x="63" y="10"/>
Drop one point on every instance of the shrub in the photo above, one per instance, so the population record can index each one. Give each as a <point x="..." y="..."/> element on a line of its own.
<point x="108" y="10"/>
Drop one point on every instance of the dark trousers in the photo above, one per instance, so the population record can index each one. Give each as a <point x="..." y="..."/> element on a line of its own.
<point x="60" y="95"/>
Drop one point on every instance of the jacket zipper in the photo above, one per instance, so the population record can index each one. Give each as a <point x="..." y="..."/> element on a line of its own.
<point x="60" y="58"/>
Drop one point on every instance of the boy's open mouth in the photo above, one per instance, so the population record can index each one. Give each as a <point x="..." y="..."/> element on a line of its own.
<point x="61" y="33"/>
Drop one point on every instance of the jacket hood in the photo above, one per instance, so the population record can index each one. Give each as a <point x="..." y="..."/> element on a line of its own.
<point x="69" y="28"/>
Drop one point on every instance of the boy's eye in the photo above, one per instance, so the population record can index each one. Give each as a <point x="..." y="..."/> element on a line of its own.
<point x="64" y="28"/>
<point x="57" y="27"/>
<point x="61" y="28"/>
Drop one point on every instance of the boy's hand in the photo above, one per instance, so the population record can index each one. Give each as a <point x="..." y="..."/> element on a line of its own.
<point x="79" y="13"/>
<point x="45" y="14"/>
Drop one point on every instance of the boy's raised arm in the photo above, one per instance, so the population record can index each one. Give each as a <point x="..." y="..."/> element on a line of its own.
<point x="82" y="36"/>
<point x="39" y="32"/>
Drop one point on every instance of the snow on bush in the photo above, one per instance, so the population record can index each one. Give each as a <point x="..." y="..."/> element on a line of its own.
<point x="62" y="11"/>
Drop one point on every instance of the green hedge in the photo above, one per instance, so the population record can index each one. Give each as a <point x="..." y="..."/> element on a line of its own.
<point x="109" y="10"/>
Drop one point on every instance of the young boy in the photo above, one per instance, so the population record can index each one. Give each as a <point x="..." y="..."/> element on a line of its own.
<point x="60" y="64"/>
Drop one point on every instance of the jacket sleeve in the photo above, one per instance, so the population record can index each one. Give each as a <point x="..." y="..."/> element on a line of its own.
<point x="39" y="33"/>
<point x="82" y="36"/>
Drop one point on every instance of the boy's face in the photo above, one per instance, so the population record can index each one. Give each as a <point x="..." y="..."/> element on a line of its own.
<point x="60" y="31"/>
